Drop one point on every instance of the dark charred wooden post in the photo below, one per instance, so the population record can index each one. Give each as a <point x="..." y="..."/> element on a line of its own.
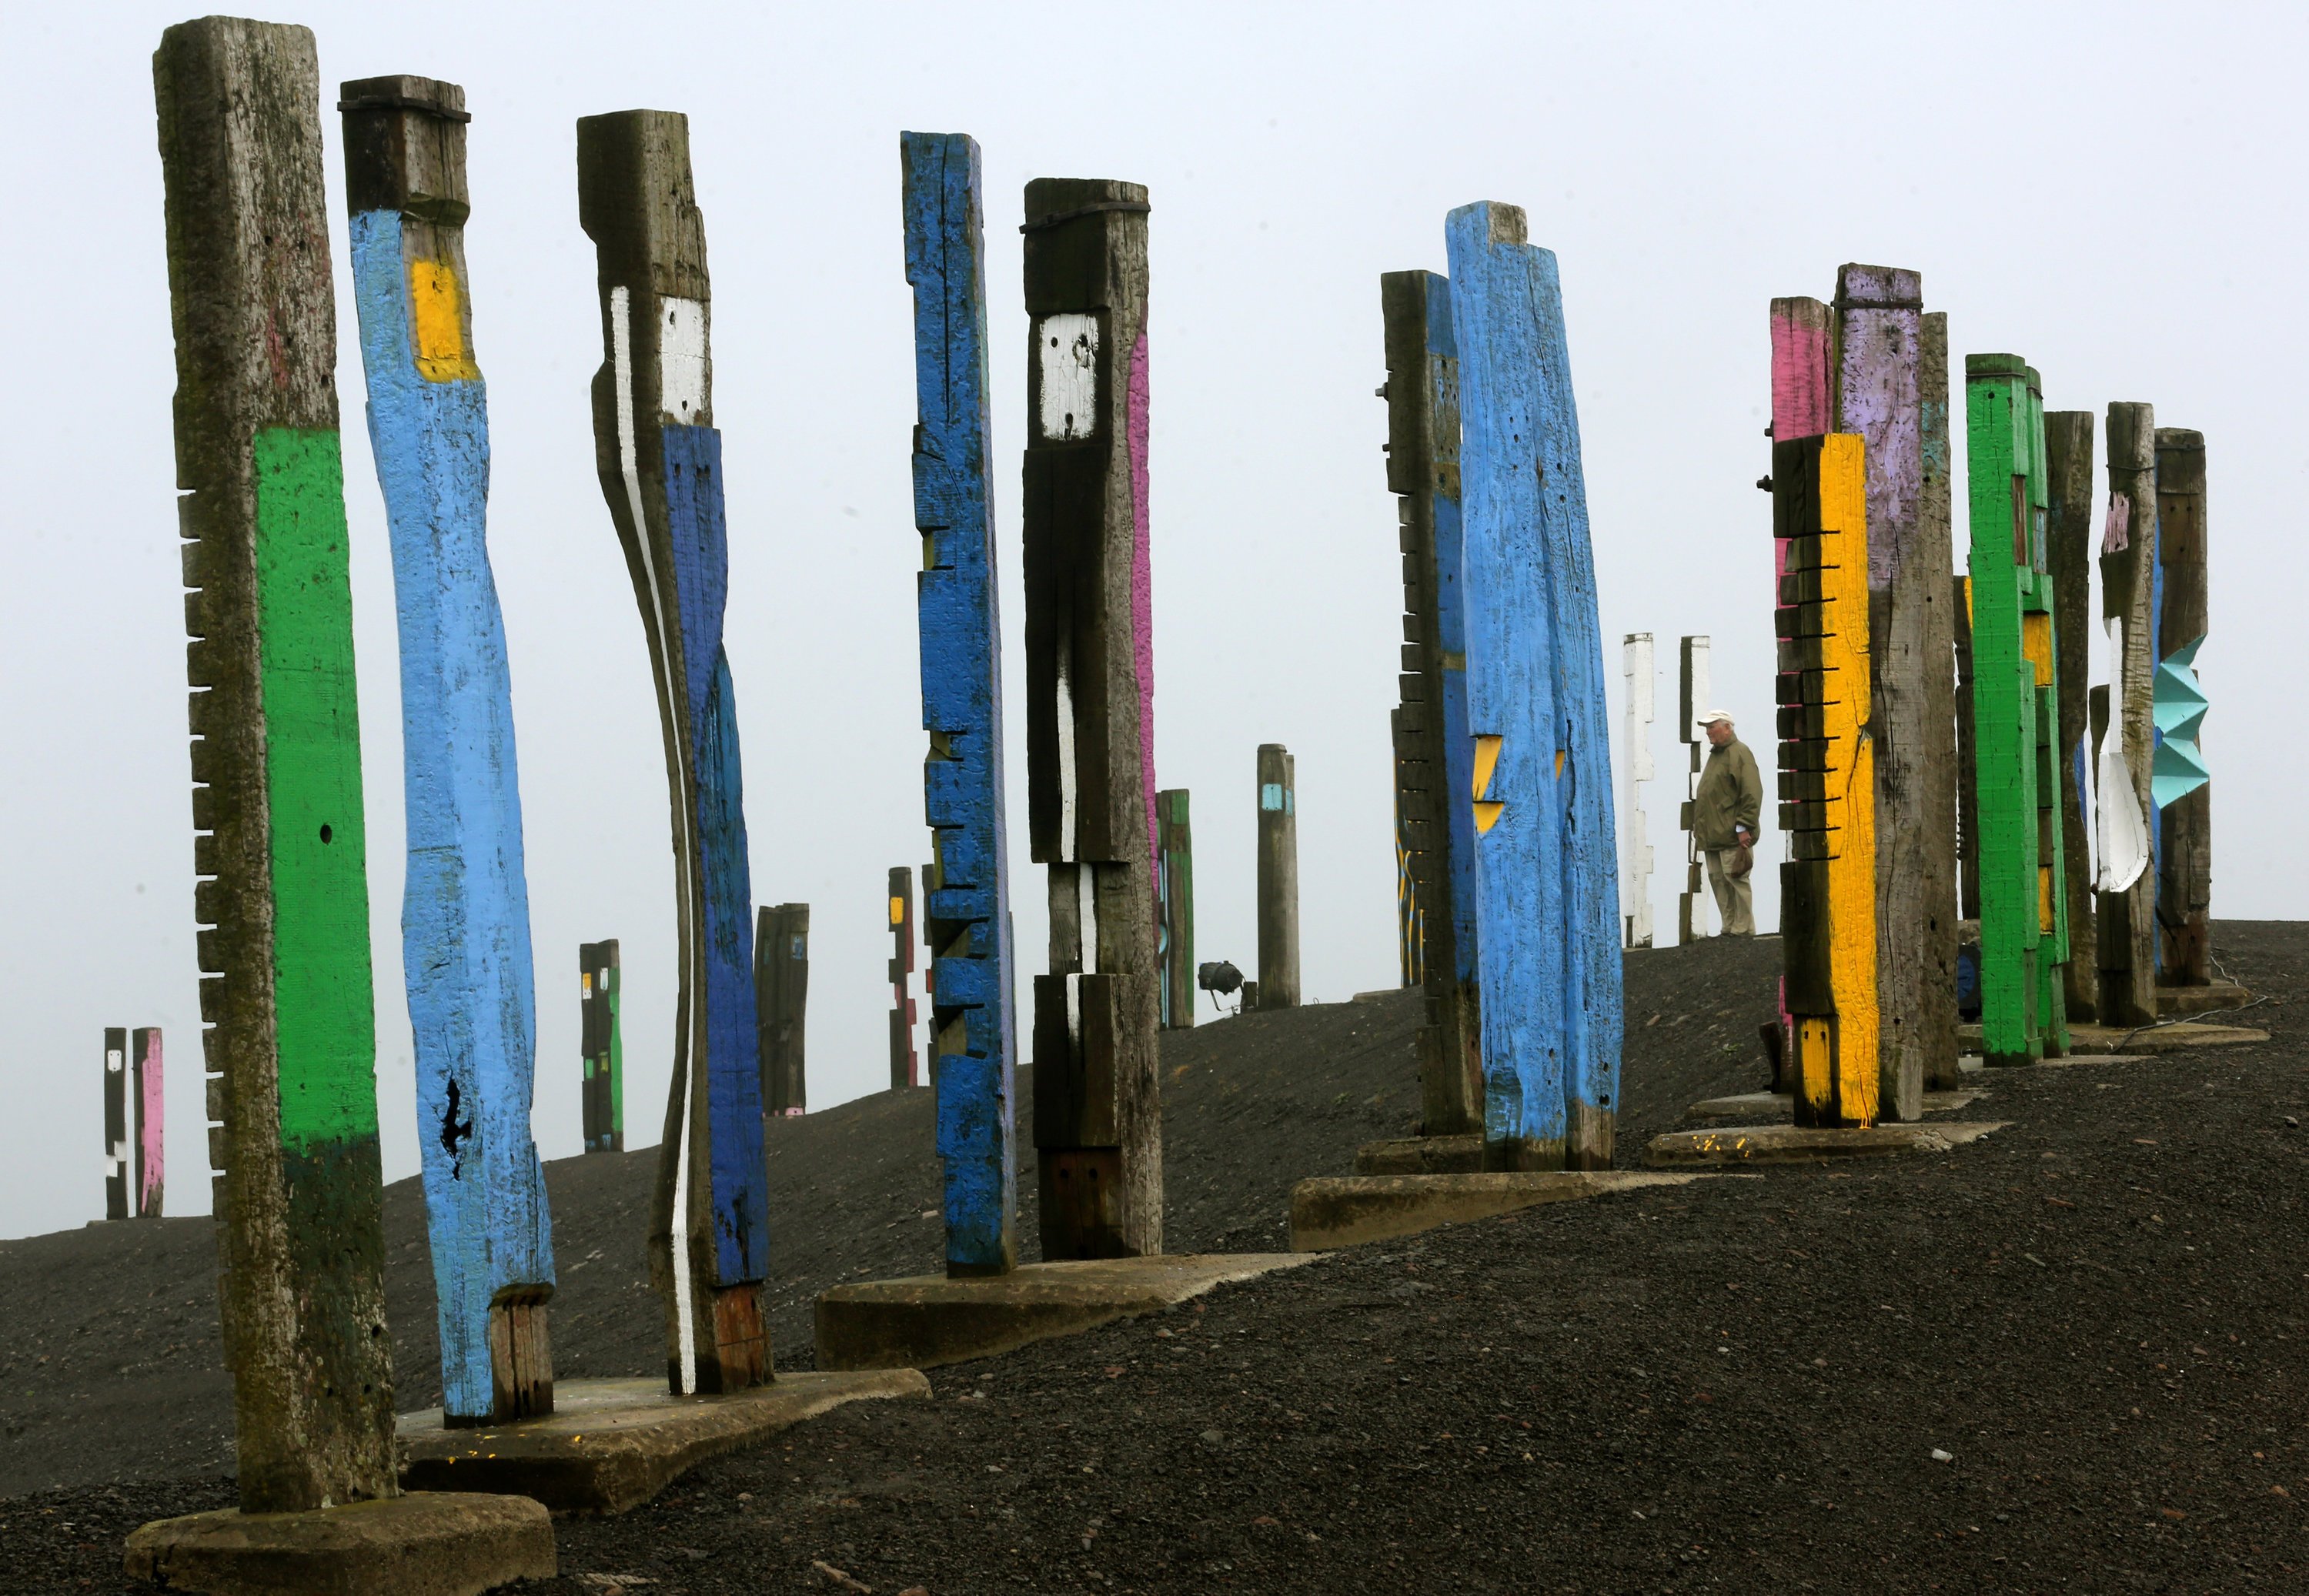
<point x="151" y="1120"/>
<point x="1434" y="756"/>
<point x="2069" y="465"/>
<point x="116" y="1189"/>
<point x="1547" y="874"/>
<point x="464" y="918"/>
<point x="1635" y="846"/>
<point x="2184" y="843"/>
<point x="1278" y="877"/>
<point x="1881" y="394"/>
<point x="1090" y="720"/>
<point x="2124" y="913"/>
<point x="1967" y="757"/>
<point x="782" y="1001"/>
<point x="659" y="460"/>
<point x="1692" y="697"/>
<point x="601" y="1039"/>
<point x="904" y="1068"/>
<point x="278" y="845"/>
<point x="1177" y="839"/>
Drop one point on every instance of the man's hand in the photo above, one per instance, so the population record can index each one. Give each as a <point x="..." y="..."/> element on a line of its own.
<point x="1745" y="837"/>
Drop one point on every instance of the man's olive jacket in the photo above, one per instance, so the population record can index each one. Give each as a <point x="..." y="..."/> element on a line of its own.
<point x="1730" y="794"/>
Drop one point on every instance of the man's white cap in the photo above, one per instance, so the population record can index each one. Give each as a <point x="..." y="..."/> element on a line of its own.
<point x="1712" y="716"/>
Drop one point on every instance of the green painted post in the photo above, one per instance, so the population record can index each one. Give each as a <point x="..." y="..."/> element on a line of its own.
<point x="603" y="1045"/>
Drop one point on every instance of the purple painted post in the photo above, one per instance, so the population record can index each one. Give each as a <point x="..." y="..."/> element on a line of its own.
<point x="151" y="1120"/>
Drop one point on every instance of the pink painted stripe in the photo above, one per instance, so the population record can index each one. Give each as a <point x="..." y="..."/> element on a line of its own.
<point x="151" y="1118"/>
<point x="1800" y="407"/>
<point x="1142" y="594"/>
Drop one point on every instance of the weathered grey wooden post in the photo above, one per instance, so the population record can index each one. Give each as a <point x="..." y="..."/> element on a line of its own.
<point x="904" y="1067"/>
<point x="2069" y="465"/>
<point x="2124" y="916"/>
<point x="1278" y="877"/>
<point x="1635" y="847"/>
<point x="1546" y="876"/>
<point x="782" y="1003"/>
<point x="1881" y="394"/>
<point x="151" y="1118"/>
<point x="278" y="845"/>
<point x="659" y="460"/>
<point x="1177" y="840"/>
<point x="1434" y="756"/>
<point x="1693" y="697"/>
<point x="601" y="1039"/>
<point x="464" y="918"/>
<point x="1946" y="781"/>
<point x="966" y="888"/>
<point x="1089" y="727"/>
<point x="116" y="1189"/>
<point x="2178" y="784"/>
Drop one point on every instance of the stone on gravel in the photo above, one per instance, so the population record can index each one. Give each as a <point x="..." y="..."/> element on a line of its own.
<point x="426" y="1543"/>
<point x="1804" y="1145"/>
<point x="1348" y="1211"/>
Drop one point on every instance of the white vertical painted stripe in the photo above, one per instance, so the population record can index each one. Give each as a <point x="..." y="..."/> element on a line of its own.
<point x="1066" y="712"/>
<point x="621" y="350"/>
<point x="1067" y="350"/>
<point x="681" y="360"/>
<point x="1086" y="910"/>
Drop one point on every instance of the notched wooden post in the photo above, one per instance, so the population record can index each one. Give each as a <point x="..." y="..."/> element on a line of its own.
<point x="1635" y="847"/>
<point x="1546" y="875"/>
<point x="279" y="849"/>
<point x="1694" y="693"/>
<point x="464" y="918"/>
<point x="602" y="1042"/>
<point x="1089" y="727"/>
<point x="659" y="458"/>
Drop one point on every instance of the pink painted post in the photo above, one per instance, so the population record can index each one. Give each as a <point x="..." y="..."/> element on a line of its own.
<point x="151" y="1120"/>
<point x="1799" y="410"/>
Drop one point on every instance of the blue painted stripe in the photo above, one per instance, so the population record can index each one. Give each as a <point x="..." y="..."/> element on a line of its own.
<point x="968" y="910"/>
<point x="733" y="1083"/>
<point x="464" y="923"/>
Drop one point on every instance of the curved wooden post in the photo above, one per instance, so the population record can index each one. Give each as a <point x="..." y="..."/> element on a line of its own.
<point x="464" y="916"/>
<point x="1089" y="718"/>
<point x="659" y="458"/>
<point x="1546" y="873"/>
<point x="279" y="842"/>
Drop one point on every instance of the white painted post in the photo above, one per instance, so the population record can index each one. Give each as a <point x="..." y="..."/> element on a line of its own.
<point x="1635" y="847"/>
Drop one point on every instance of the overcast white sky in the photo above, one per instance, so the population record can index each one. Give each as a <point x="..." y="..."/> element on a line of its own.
<point x="2098" y="187"/>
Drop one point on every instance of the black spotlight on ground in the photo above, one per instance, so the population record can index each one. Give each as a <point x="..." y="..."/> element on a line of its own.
<point x="1218" y="977"/>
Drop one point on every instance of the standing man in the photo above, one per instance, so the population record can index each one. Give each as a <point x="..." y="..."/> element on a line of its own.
<point x="1724" y="821"/>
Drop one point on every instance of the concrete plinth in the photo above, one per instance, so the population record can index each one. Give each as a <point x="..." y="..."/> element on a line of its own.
<point x="1346" y="1211"/>
<point x="1758" y="1106"/>
<point x="1421" y="1155"/>
<point x="611" y="1445"/>
<point x="429" y="1544"/>
<point x="928" y="1320"/>
<point x="1807" y="1144"/>
<point x="2199" y="1000"/>
<point x="2156" y="1039"/>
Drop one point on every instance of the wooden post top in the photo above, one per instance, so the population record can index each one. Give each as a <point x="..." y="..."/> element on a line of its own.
<point x="636" y="201"/>
<point x="405" y="148"/>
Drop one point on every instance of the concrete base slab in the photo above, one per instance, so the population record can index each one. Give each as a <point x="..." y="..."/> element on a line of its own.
<point x="611" y="1445"/>
<point x="1772" y="1105"/>
<point x="928" y="1320"/>
<point x="429" y="1544"/>
<point x="1421" y="1155"/>
<point x="1806" y="1144"/>
<point x="2156" y="1039"/>
<point x="1347" y="1211"/>
<point x="2199" y="1000"/>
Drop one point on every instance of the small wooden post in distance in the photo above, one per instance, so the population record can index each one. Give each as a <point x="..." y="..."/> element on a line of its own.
<point x="905" y="1069"/>
<point x="1278" y="878"/>
<point x="782" y="1000"/>
<point x="151" y="1120"/>
<point x="1176" y="838"/>
<point x="602" y="1042"/>
<point x="116" y="1189"/>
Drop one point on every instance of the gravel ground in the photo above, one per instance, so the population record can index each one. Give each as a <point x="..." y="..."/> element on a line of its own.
<point x="2097" y="1315"/>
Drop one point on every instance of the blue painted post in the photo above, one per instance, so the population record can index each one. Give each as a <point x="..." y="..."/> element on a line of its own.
<point x="966" y="893"/>
<point x="1546" y="866"/>
<point x="464" y="918"/>
<point x="659" y="458"/>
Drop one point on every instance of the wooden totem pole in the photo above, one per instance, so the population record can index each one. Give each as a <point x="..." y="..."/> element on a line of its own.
<point x="602" y="1038"/>
<point x="465" y="916"/>
<point x="1635" y="847"/>
<point x="1546" y="877"/>
<point x="1892" y="392"/>
<point x="659" y="460"/>
<point x="781" y="1004"/>
<point x="152" y="1117"/>
<point x="966" y="891"/>
<point x="118" y="1195"/>
<point x="1177" y="841"/>
<point x="2023" y="904"/>
<point x="2125" y="912"/>
<point x="1090" y="720"/>
<point x="278" y="845"/>
<point x="2069" y="478"/>
<point x="2178" y="776"/>
<point x="1694" y="693"/>
<point x="905" y="1069"/>
<point x="1278" y="877"/>
<point x="1434" y="756"/>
